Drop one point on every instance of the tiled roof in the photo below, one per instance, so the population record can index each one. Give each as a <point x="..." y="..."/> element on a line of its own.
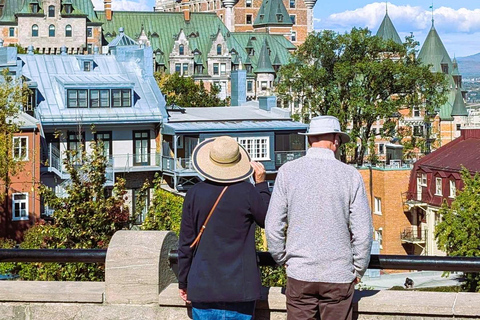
<point x="387" y="30"/>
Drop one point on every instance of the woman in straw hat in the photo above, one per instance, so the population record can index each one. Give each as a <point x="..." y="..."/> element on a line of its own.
<point x="217" y="259"/>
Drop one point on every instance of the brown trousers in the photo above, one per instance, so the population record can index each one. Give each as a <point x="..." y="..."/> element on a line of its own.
<point x="319" y="300"/>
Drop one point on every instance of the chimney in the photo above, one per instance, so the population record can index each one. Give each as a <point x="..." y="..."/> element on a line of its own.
<point x="186" y="10"/>
<point x="107" y="6"/>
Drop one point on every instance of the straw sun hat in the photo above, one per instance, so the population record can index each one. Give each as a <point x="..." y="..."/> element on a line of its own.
<point x="222" y="160"/>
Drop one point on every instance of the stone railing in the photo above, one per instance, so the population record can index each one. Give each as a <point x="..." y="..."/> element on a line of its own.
<point x="139" y="284"/>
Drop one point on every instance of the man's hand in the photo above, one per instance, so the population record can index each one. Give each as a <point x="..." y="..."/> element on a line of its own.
<point x="183" y="295"/>
<point x="260" y="173"/>
<point x="357" y="280"/>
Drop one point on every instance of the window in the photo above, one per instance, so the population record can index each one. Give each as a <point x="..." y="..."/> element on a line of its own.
<point x="257" y="147"/>
<point x="248" y="3"/>
<point x="11" y="32"/>
<point x="68" y="8"/>
<point x="293" y="37"/>
<point x="379" y="237"/>
<point x="106" y="138"/>
<point x="424" y="179"/>
<point x="51" y="11"/>
<point x="141" y="143"/>
<point x="181" y="50"/>
<point x="99" y="98"/>
<point x="418" y="131"/>
<point x="459" y="126"/>
<point x="121" y="98"/>
<point x="292" y="4"/>
<point x="293" y="18"/>
<point x="378" y="206"/>
<point x="89" y="33"/>
<point x="381" y="148"/>
<point x="445" y="68"/>
<point x="453" y="189"/>
<point x="249" y="86"/>
<point x="34" y="7"/>
<point x="89" y="48"/>
<point x="140" y="218"/>
<point x="34" y="30"/>
<point x="263" y="85"/>
<point x="51" y="31"/>
<point x="438" y="186"/>
<point x="20" y="206"/>
<point x="20" y="148"/>
<point x="87" y="66"/>
<point x="219" y="49"/>
<point x="185" y="69"/>
<point x="76" y="146"/>
<point x="248" y="19"/>
<point x="215" y="68"/>
<point x="178" y="68"/>
<point x="416" y="112"/>
<point x="31" y="104"/>
<point x="223" y="68"/>
<point x="77" y="98"/>
<point x="68" y="31"/>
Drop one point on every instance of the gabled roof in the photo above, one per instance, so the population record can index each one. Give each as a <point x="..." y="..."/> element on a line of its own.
<point x="264" y="64"/>
<point x="272" y="13"/>
<point x="387" y="30"/>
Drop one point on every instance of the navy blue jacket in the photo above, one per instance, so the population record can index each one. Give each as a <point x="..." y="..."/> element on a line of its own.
<point x="223" y="268"/>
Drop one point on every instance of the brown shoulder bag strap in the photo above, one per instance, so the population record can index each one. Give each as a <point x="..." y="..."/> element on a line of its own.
<point x="197" y="239"/>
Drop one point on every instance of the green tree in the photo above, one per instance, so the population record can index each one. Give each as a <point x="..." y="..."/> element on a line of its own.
<point x="459" y="231"/>
<point x="86" y="218"/>
<point x="12" y="97"/>
<point x="184" y="92"/>
<point x="359" y="78"/>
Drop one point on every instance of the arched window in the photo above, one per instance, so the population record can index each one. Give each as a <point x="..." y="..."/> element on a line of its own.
<point x="51" y="11"/>
<point x="181" y="50"/>
<point x="34" y="30"/>
<point x="219" y="49"/>
<point x="68" y="31"/>
<point x="51" y="31"/>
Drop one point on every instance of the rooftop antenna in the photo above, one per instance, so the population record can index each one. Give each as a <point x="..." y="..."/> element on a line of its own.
<point x="433" y="20"/>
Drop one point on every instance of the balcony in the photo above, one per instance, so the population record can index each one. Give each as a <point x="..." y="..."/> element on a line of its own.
<point x="413" y="235"/>
<point x="177" y="165"/>
<point x="281" y="157"/>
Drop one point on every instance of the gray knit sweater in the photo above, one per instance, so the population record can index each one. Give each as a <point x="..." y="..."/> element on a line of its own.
<point x="319" y="222"/>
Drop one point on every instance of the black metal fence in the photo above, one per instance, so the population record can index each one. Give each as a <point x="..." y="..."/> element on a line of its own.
<point x="396" y="262"/>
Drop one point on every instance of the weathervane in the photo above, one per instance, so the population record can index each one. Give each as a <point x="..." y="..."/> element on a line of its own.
<point x="431" y="7"/>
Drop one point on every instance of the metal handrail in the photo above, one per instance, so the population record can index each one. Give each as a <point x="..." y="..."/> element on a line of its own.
<point x="398" y="262"/>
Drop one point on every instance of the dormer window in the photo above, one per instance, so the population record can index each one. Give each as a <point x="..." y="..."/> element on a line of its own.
<point x="34" y="7"/>
<point x="87" y="66"/>
<point x="68" y="8"/>
<point x="219" y="49"/>
<point x="280" y="17"/>
<point x="445" y="68"/>
<point x="181" y="50"/>
<point x="51" y="11"/>
<point x="261" y="17"/>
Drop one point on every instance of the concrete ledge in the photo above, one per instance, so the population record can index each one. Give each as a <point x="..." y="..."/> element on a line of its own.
<point x="52" y="291"/>
<point x="369" y="304"/>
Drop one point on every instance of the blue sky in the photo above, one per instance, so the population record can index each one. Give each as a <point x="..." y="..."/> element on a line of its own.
<point x="457" y="21"/>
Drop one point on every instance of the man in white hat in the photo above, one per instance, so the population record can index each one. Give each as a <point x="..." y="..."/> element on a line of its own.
<point x="319" y="226"/>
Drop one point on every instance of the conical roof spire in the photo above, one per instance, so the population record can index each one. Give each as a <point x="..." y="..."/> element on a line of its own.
<point x="272" y="12"/>
<point x="387" y="30"/>
<point x="459" y="107"/>
<point x="264" y="64"/>
<point x="433" y="52"/>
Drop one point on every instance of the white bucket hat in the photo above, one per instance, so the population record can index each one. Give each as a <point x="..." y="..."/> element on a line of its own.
<point x="222" y="160"/>
<point x="326" y="124"/>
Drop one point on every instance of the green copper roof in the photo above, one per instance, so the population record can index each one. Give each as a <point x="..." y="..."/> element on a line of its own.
<point x="272" y="12"/>
<point x="264" y="64"/>
<point x="455" y="71"/>
<point x="459" y="108"/>
<point x="276" y="61"/>
<point x="433" y="52"/>
<point x="387" y="30"/>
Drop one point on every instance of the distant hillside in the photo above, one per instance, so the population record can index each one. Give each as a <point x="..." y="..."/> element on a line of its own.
<point x="469" y="67"/>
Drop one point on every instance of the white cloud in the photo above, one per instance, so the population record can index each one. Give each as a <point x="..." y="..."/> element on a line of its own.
<point x="124" y="5"/>
<point x="406" y="18"/>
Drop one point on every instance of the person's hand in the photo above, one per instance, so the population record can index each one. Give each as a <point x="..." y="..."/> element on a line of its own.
<point x="259" y="171"/>
<point x="357" y="280"/>
<point x="183" y="295"/>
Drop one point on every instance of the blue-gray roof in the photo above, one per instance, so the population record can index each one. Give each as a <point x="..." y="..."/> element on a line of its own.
<point x="232" y="126"/>
<point x="55" y="73"/>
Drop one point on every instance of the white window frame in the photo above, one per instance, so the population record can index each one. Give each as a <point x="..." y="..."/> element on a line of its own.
<point x="18" y="140"/>
<point x="377" y="206"/>
<point x="16" y="203"/>
<point x="256" y="154"/>
<point x="293" y="36"/>
<point x="248" y="3"/>
<point x="379" y="237"/>
<point x="438" y="186"/>
<point x="453" y="188"/>
<point x="424" y="179"/>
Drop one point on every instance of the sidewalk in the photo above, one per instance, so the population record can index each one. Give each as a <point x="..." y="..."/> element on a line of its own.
<point x="421" y="279"/>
